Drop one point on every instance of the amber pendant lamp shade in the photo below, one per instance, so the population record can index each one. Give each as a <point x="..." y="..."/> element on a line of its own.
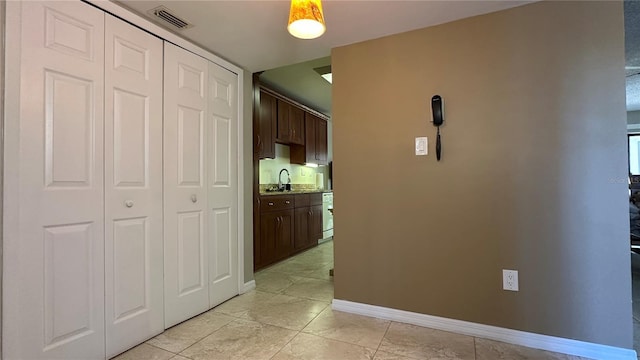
<point x="306" y="20"/>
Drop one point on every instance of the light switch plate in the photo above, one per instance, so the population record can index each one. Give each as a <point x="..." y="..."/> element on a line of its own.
<point x="422" y="146"/>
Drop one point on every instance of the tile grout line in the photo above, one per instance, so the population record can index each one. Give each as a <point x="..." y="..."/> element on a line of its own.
<point x="340" y="341"/>
<point x="475" y="353"/>
<point x="157" y="347"/>
<point x="290" y="340"/>
<point x="195" y="343"/>
<point x="381" y="340"/>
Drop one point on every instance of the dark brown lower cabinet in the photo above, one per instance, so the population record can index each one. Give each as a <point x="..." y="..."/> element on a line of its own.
<point x="276" y="236"/>
<point x="308" y="222"/>
<point x="285" y="228"/>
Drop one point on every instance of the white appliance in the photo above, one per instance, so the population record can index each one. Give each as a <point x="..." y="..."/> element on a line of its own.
<point x="327" y="216"/>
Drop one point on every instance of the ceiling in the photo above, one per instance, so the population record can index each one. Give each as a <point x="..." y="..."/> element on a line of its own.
<point x="252" y="34"/>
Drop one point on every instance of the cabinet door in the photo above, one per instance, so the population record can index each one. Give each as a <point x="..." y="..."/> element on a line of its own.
<point x="285" y="233"/>
<point x="315" y="224"/>
<point x="302" y="221"/>
<point x="321" y="142"/>
<point x="268" y="225"/>
<point x="296" y="125"/>
<point x="267" y="130"/>
<point x="222" y="167"/>
<point x="310" y="138"/>
<point x="185" y="191"/>
<point x="54" y="256"/>
<point x="283" y="124"/>
<point x="276" y="235"/>
<point x="133" y="186"/>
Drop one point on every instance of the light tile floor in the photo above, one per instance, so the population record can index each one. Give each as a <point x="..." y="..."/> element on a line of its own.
<point x="289" y="316"/>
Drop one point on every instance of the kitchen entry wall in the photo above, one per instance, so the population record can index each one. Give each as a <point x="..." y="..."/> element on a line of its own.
<point x="534" y="145"/>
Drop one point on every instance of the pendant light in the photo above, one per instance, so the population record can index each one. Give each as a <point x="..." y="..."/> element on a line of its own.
<point x="306" y="20"/>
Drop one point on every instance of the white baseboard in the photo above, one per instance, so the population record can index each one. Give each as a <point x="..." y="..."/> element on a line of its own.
<point x="516" y="337"/>
<point x="250" y="285"/>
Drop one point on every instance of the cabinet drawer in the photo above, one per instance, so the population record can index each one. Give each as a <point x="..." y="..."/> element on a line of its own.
<point x="276" y="202"/>
<point x="301" y="200"/>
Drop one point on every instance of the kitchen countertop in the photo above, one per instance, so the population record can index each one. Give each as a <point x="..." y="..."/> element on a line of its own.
<point x="293" y="192"/>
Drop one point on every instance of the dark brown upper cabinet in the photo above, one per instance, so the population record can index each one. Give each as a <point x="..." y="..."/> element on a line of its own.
<point x="290" y="124"/>
<point x="267" y="126"/>
<point x="315" y="146"/>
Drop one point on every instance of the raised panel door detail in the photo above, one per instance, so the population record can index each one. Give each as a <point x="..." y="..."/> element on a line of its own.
<point x="131" y="267"/>
<point x="222" y="243"/>
<point x="190" y="78"/>
<point x="190" y="146"/>
<point x="321" y="141"/>
<point x="130" y="139"/>
<point x="67" y="284"/>
<point x="222" y="153"/>
<point x="190" y="252"/>
<point x="267" y="124"/>
<point x="220" y="90"/>
<point x="68" y="35"/>
<point x="129" y="56"/>
<point x="69" y="130"/>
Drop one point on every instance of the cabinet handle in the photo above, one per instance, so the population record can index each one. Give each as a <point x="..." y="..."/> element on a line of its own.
<point x="128" y="203"/>
<point x="270" y="203"/>
<point x="287" y="202"/>
<point x="194" y="198"/>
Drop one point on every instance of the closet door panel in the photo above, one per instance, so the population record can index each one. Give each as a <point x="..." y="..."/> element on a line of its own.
<point x="133" y="186"/>
<point x="56" y="306"/>
<point x="185" y="179"/>
<point x="223" y="184"/>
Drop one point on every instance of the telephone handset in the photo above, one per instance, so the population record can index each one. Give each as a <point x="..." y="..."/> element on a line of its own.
<point x="437" y="110"/>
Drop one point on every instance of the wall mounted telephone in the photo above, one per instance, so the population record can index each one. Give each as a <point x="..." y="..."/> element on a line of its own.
<point x="437" y="111"/>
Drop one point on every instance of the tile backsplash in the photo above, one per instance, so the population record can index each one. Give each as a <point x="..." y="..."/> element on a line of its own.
<point x="300" y="174"/>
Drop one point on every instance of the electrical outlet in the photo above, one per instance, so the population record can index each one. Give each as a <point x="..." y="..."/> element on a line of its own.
<point x="510" y="280"/>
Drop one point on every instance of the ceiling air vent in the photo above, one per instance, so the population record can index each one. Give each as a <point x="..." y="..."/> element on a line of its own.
<point x="164" y="14"/>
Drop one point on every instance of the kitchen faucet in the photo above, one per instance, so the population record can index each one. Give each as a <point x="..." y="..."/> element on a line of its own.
<point x="281" y="186"/>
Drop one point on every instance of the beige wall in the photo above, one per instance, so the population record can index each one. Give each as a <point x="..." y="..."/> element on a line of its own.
<point x="534" y="132"/>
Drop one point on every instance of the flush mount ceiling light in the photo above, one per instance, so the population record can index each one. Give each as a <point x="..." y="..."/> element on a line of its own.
<point x="306" y="20"/>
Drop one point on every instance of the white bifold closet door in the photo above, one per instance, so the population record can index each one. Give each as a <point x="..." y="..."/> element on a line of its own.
<point x="223" y="184"/>
<point x="201" y="184"/>
<point x="134" y="309"/>
<point x="185" y="178"/>
<point x="54" y="308"/>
